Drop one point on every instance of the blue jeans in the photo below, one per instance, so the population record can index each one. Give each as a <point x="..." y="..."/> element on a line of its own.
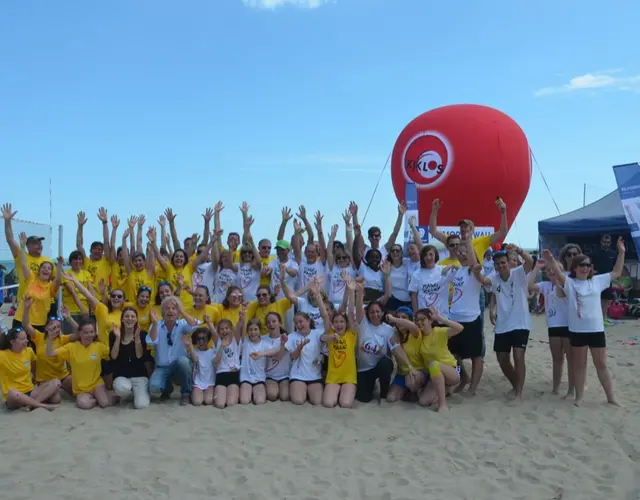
<point x="161" y="376"/>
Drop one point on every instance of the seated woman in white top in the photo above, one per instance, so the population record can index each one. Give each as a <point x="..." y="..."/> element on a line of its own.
<point x="586" y="323"/>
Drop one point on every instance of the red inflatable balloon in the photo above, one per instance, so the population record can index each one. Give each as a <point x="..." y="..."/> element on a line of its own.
<point x="466" y="155"/>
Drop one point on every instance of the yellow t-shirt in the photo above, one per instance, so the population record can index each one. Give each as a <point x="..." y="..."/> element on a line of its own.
<point x="342" y="359"/>
<point x="232" y="315"/>
<point x="209" y="309"/>
<point x="135" y="280"/>
<point x="236" y="255"/>
<point x="84" y="278"/>
<point x="480" y="245"/>
<point x="280" y="306"/>
<point x="106" y="320"/>
<point x="86" y="364"/>
<point x="118" y="276"/>
<point x="265" y="280"/>
<point x="42" y="293"/>
<point x="49" y="367"/>
<point x="15" y="370"/>
<point x="144" y="315"/>
<point x="161" y="274"/>
<point x="99" y="270"/>
<point x="435" y="347"/>
<point x="412" y="349"/>
<point x="34" y="266"/>
<point x="172" y="276"/>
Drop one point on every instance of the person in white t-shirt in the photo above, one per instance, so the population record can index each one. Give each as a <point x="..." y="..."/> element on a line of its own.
<point x="428" y="287"/>
<point x="338" y="263"/>
<point x="586" y="323"/>
<point x="375" y="234"/>
<point x="399" y="274"/>
<point x="557" y="324"/>
<point x="513" y="321"/>
<point x="227" y="391"/>
<point x="305" y="347"/>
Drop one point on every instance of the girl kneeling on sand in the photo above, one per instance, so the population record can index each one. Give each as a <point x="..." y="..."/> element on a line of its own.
<point x="227" y="391"/>
<point x="278" y="366"/>
<point x="342" y="374"/>
<point x="17" y="364"/>
<point x="85" y="359"/>
<point x="204" y="360"/>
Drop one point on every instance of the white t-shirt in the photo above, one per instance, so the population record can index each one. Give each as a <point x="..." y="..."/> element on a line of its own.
<point x="205" y="375"/>
<point x="431" y="288"/>
<point x="230" y="360"/>
<point x="277" y="369"/>
<point x="584" y="310"/>
<point x="373" y="344"/>
<point x="314" y="313"/>
<point x="555" y="307"/>
<point x="224" y="279"/>
<point x="487" y="267"/>
<point x="204" y="276"/>
<point x="400" y="282"/>
<point x="372" y="279"/>
<point x="336" y="285"/>
<point x="253" y="370"/>
<point x="308" y="272"/>
<point x="412" y="267"/>
<point x="382" y="249"/>
<point x="249" y="279"/>
<point x="465" y="303"/>
<point x="291" y="281"/>
<point x="308" y="366"/>
<point x="512" y="301"/>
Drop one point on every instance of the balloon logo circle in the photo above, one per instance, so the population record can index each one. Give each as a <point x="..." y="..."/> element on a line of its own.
<point x="427" y="159"/>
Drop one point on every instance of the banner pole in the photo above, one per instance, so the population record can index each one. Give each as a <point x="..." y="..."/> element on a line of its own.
<point x="59" y="253"/>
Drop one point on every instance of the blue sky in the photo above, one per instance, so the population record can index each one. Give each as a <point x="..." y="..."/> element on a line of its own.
<point x="141" y="105"/>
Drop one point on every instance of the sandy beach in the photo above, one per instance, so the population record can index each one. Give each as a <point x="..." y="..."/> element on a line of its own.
<point x="481" y="449"/>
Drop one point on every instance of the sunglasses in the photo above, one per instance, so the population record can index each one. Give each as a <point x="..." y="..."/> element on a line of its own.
<point x="584" y="264"/>
<point x="201" y="338"/>
<point x="144" y="289"/>
<point x="117" y="296"/>
<point x="264" y="294"/>
<point x="377" y="235"/>
<point x="164" y="283"/>
<point x="265" y="248"/>
<point x="169" y="339"/>
<point x="55" y="318"/>
<point x="453" y="245"/>
<point x="572" y="254"/>
<point x="396" y="250"/>
<point x="342" y="257"/>
<point x="235" y="296"/>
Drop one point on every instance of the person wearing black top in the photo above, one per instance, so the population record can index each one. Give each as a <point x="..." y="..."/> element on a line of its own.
<point x="603" y="259"/>
<point x="129" y="353"/>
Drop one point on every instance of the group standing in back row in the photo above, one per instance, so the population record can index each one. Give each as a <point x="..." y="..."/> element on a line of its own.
<point x="238" y="325"/>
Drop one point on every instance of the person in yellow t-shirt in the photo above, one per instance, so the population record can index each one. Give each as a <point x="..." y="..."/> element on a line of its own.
<point x="436" y="358"/>
<point x="264" y="249"/>
<point x="340" y="388"/>
<point x="140" y="270"/>
<point x="85" y="358"/>
<point x="97" y="263"/>
<point x="17" y="364"/>
<point x="71" y="297"/>
<point x="201" y="306"/>
<point x="143" y="307"/>
<point x="264" y="305"/>
<point x="48" y="368"/>
<point x="41" y="286"/>
<point x="411" y="340"/>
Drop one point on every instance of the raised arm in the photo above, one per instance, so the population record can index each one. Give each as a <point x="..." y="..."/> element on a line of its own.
<point x="162" y="222"/>
<point x="141" y="221"/>
<point x="476" y="270"/>
<point x="200" y="259"/>
<point x="501" y="233"/>
<point x="59" y="272"/>
<point x="526" y="257"/>
<point x="321" y="242"/>
<point x="348" y="230"/>
<point x="217" y="226"/>
<point x="297" y="241"/>
<point x="357" y="253"/>
<point x="402" y="323"/>
<point x="91" y="299"/>
<point x="286" y="217"/>
<point x="113" y="254"/>
<point x="126" y="257"/>
<point x="332" y="238"/>
<point x="288" y="293"/>
<point x="402" y="209"/>
<point x="433" y="222"/>
<point x="618" y="268"/>
<point x="26" y="271"/>
<point x="104" y="220"/>
<point x="417" y="238"/>
<point x="351" y="305"/>
<point x="302" y="215"/>
<point x="533" y="275"/>
<point x="8" y="214"/>
<point x="82" y="220"/>
<point x="115" y="349"/>
<point x="359" y="300"/>
<point x="207" y="216"/>
<point x="453" y="327"/>
<point x="241" y="327"/>
<point x="151" y="234"/>
<point x="386" y="275"/>
<point x="554" y="266"/>
<point x="171" y="218"/>
<point x="26" y="321"/>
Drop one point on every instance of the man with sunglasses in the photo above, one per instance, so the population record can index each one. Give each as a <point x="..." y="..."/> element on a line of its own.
<point x="375" y="234"/>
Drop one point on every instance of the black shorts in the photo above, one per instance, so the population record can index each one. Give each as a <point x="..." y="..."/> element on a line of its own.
<point x="588" y="339"/>
<point x="394" y="304"/>
<point x="278" y="381"/>
<point x="503" y="342"/>
<point x="308" y="382"/>
<point x="252" y="384"/>
<point x="559" y="331"/>
<point x="325" y="364"/>
<point x="607" y="294"/>
<point x="228" y="378"/>
<point x="469" y="343"/>
<point x="107" y="368"/>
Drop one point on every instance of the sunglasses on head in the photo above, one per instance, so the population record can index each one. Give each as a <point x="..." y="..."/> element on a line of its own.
<point x="164" y="283"/>
<point x="144" y="289"/>
<point x="55" y="318"/>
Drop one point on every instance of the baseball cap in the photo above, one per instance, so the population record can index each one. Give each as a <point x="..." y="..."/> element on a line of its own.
<point x="34" y="239"/>
<point x="284" y="245"/>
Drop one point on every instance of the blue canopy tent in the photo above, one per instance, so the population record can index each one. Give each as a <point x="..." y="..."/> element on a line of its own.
<point x="587" y="223"/>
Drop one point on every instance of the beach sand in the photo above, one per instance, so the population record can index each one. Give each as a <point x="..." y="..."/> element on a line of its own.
<point x="482" y="449"/>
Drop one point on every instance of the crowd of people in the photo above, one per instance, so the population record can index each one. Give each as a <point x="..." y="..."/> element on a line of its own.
<point x="322" y="321"/>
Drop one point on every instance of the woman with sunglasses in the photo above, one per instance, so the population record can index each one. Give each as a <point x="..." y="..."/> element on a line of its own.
<point x="556" y="314"/>
<point x="17" y="366"/>
<point x="250" y="266"/>
<point x="339" y="267"/>
<point x="369" y="267"/>
<point x="128" y="355"/>
<point x="48" y="368"/>
<point x="566" y="255"/>
<point x="42" y="287"/>
<point x="399" y="275"/>
<point x="226" y="274"/>
<point x="266" y="303"/>
<point x="428" y="287"/>
<point x="586" y="323"/>
<point x="231" y="307"/>
<point x="85" y="357"/>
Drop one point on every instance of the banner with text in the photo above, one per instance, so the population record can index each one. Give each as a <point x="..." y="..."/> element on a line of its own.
<point x="411" y="199"/>
<point x="628" y="180"/>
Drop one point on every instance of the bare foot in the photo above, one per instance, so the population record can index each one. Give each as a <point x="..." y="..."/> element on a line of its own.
<point x="460" y="387"/>
<point x="511" y="395"/>
<point x="577" y="402"/>
<point x="555" y="392"/>
<point x="516" y="401"/>
<point x="614" y="402"/>
<point x="442" y="408"/>
<point x="51" y="407"/>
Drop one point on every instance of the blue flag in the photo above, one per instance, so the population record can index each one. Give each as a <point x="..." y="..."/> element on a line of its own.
<point x="628" y="179"/>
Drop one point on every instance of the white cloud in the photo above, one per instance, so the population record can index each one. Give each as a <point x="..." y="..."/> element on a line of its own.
<point x="273" y="4"/>
<point x="599" y="80"/>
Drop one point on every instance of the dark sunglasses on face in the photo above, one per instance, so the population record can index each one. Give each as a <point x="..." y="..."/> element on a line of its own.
<point x="572" y="254"/>
<point x="264" y="294"/>
<point x="342" y="257"/>
<point x="454" y="245"/>
<point x="201" y="338"/>
<point x="584" y="264"/>
<point x="396" y="250"/>
<point x="265" y="248"/>
<point x="117" y="296"/>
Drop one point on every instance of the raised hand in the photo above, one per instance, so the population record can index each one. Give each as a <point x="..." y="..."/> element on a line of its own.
<point x="60" y="260"/>
<point x="502" y="206"/>
<point x="7" y="212"/>
<point x="386" y="267"/>
<point x="65" y="312"/>
<point x="208" y="214"/>
<point x="82" y="218"/>
<point x="621" y="247"/>
<point x="116" y="331"/>
<point x="402" y="208"/>
<point x="170" y="215"/>
<point x="162" y="220"/>
<point x="102" y="287"/>
<point x="141" y="220"/>
<point x="244" y="208"/>
<point x="302" y="212"/>
<point x="219" y="207"/>
<point x="154" y="316"/>
<point x="195" y="238"/>
<point x="346" y="216"/>
<point x="435" y="314"/>
<point x="102" y="215"/>
<point x="115" y="222"/>
<point x="286" y="214"/>
<point x="436" y="204"/>
<point x="136" y="334"/>
<point x="151" y="234"/>
<point x="297" y="227"/>
<point x="23" y="238"/>
<point x="248" y="221"/>
<point x="187" y="340"/>
<point x="318" y="222"/>
<point x="353" y="208"/>
<point x="334" y="230"/>
<point x="131" y="222"/>
<point x="206" y="319"/>
<point x="28" y="301"/>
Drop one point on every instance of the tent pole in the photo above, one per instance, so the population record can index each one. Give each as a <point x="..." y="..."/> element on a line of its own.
<point x="584" y="195"/>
